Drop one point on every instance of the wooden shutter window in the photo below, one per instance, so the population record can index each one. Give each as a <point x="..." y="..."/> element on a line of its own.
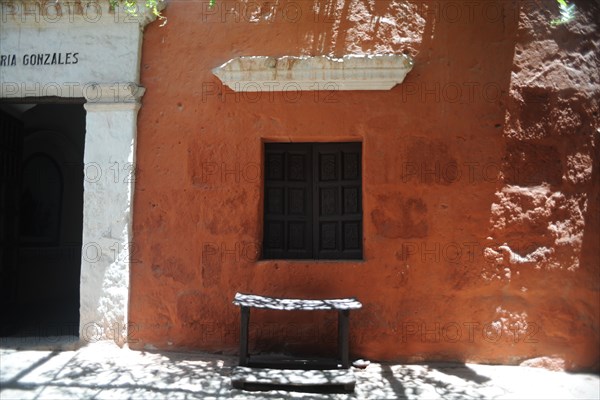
<point x="313" y="205"/>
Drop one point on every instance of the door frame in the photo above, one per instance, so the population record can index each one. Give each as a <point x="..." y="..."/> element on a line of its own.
<point x="112" y="96"/>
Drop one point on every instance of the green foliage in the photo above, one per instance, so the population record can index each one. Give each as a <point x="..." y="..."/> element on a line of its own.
<point x="567" y="13"/>
<point x="131" y="7"/>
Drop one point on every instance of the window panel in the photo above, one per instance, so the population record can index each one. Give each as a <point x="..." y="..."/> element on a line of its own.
<point x="296" y="201"/>
<point x="297" y="235"/>
<point x="328" y="236"/>
<point x="275" y="166"/>
<point x="329" y="201"/>
<point x="274" y="200"/>
<point x="351" y="231"/>
<point x="351" y="199"/>
<point x="328" y="167"/>
<point x="274" y="235"/>
<point x="351" y="166"/>
<point x="297" y="167"/>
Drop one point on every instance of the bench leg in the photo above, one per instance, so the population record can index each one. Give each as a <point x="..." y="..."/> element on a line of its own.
<point x="245" y="319"/>
<point x="343" y="337"/>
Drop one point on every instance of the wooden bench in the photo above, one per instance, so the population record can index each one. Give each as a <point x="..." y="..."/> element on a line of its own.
<point x="342" y="306"/>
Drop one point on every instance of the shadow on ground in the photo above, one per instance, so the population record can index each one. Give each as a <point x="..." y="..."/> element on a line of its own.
<point x="102" y="370"/>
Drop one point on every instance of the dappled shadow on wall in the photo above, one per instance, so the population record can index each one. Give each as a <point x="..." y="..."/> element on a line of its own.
<point x="544" y="218"/>
<point x="357" y="27"/>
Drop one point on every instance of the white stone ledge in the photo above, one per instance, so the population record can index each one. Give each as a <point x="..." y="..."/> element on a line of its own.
<point x="268" y="74"/>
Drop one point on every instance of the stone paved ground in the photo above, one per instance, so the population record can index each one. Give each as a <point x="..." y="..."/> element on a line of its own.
<point x="104" y="371"/>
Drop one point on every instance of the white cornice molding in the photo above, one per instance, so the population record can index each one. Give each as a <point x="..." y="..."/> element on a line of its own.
<point x="94" y="93"/>
<point x="351" y="72"/>
<point x="59" y="13"/>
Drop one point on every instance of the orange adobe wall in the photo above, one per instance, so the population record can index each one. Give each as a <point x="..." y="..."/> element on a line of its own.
<point x="480" y="181"/>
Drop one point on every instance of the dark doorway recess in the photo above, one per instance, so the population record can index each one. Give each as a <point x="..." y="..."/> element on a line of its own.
<point x="41" y="218"/>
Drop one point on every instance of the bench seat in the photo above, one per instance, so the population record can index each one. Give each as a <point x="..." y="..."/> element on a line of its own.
<point x="273" y="303"/>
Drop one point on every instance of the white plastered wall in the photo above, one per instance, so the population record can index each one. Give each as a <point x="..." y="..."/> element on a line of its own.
<point x="106" y="74"/>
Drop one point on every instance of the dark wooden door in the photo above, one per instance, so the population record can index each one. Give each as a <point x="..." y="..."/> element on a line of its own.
<point x="11" y="145"/>
<point x="313" y="207"/>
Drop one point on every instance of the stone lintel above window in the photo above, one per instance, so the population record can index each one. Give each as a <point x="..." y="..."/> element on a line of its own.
<point x="288" y="73"/>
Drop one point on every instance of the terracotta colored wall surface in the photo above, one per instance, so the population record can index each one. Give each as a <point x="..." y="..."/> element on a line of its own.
<point x="480" y="181"/>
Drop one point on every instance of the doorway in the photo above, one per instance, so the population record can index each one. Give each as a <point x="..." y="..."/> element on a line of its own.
<point x="41" y="214"/>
